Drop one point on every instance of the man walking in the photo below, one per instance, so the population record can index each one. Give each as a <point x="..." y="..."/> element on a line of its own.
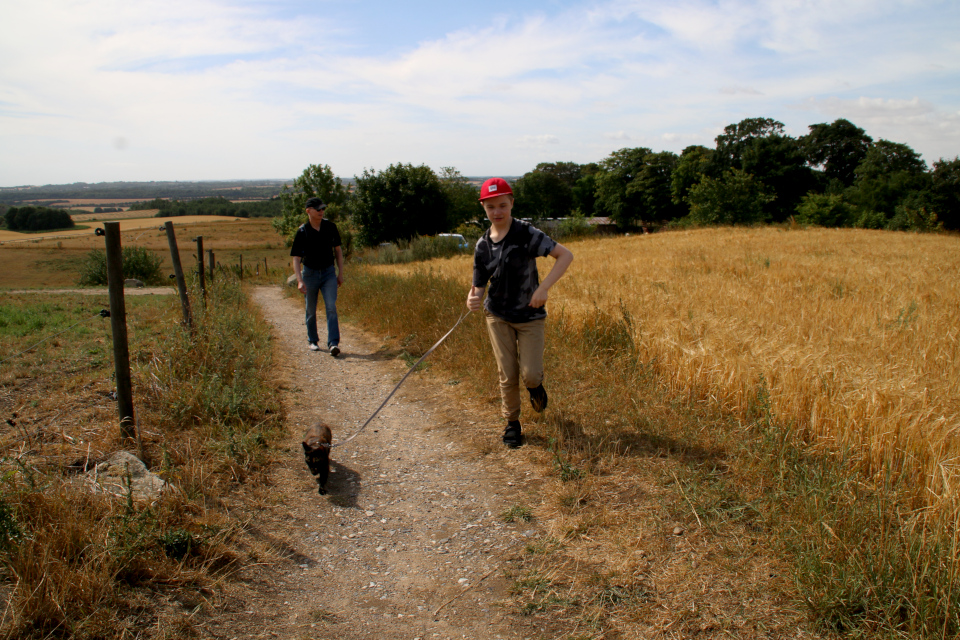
<point x="316" y="246"/>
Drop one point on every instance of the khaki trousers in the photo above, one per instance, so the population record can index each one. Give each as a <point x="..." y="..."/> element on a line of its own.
<point x="518" y="348"/>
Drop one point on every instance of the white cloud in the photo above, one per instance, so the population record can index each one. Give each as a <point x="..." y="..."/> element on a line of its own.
<point x="538" y="140"/>
<point x="212" y="88"/>
<point x="747" y="91"/>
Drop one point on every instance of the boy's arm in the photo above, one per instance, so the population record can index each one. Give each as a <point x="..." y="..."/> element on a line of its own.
<point x="563" y="257"/>
<point x="475" y="298"/>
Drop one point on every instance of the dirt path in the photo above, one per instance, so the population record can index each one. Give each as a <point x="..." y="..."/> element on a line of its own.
<point x="410" y="542"/>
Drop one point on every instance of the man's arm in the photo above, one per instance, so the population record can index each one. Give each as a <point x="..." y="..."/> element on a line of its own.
<point x="297" y="271"/>
<point x="338" y="252"/>
<point x="563" y="257"/>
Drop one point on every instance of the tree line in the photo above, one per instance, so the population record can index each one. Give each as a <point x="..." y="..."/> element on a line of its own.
<point x="835" y="176"/>
<point x="32" y="218"/>
<point x="134" y="191"/>
<point x="215" y="206"/>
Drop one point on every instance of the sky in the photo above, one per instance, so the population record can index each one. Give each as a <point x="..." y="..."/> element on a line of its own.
<point x="114" y="90"/>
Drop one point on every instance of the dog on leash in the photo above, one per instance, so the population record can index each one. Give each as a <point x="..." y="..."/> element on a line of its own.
<point x="316" y="450"/>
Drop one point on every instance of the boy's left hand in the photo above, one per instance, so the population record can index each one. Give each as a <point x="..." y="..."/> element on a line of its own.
<point x="539" y="298"/>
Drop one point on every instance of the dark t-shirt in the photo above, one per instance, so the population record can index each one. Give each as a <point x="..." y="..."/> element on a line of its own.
<point x="314" y="247"/>
<point x="510" y="266"/>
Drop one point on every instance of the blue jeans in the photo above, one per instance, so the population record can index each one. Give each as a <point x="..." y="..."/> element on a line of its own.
<point x="322" y="281"/>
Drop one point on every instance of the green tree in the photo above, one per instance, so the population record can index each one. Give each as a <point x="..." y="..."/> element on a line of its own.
<point x="400" y="202"/>
<point x="695" y="162"/>
<point x="653" y="185"/>
<point x="617" y="171"/>
<point x="567" y="172"/>
<point x="462" y="203"/>
<point x="945" y="192"/>
<point x="887" y="176"/>
<point x="585" y="190"/>
<point x="737" y="138"/>
<point x="734" y="198"/>
<point x="542" y="194"/>
<point x="32" y="218"/>
<point x="316" y="181"/>
<point x="759" y="147"/>
<point x="836" y="149"/>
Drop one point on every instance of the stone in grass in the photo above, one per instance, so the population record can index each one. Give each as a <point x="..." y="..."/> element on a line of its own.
<point x="124" y="473"/>
<point x="133" y="282"/>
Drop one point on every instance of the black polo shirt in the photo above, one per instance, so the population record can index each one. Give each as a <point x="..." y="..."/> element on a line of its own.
<point x="315" y="247"/>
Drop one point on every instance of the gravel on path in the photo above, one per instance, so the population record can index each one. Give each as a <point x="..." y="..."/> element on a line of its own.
<point x="410" y="542"/>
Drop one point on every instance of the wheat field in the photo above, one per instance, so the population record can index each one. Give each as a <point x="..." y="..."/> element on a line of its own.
<point x="851" y="334"/>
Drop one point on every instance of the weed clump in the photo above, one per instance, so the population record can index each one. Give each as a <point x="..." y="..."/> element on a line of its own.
<point x="138" y="262"/>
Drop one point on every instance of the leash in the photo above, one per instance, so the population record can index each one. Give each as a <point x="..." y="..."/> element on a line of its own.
<point x="384" y="403"/>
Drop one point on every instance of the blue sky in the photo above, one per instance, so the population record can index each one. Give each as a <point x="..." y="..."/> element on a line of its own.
<point x="104" y="90"/>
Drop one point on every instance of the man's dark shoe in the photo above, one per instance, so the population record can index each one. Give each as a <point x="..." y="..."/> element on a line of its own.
<point x="334" y="350"/>
<point x="512" y="435"/>
<point x="538" y="398"/>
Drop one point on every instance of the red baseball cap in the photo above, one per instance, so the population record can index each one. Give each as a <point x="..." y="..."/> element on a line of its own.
<point x="494" y="187"/>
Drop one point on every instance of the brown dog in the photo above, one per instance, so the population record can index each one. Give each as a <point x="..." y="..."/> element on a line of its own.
<point x="316" y="450"/>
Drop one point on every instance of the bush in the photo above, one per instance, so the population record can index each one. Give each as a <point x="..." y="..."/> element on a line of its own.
<point x="138" y="263"/>
<point x="736" y="198"/>
<point x="906" y="218"/>
<point x="576" y="226"/>
<point x="825" y="210"/>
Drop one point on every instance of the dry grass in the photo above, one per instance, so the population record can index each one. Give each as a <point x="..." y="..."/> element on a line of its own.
<point x="77" y="563"/>
<point x="786" y="399"/>
<point x="56" y="262"/>
<point x="855" y="334"/>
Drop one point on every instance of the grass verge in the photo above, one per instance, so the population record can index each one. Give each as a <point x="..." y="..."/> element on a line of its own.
<point x="81" y="563"/>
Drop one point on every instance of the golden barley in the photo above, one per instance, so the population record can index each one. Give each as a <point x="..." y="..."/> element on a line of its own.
<point x="856" y="334"/>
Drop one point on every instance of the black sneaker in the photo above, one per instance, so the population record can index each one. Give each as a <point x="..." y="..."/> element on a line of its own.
<point x="334" y="350"/>
<point x="512" y="435"/>
<point x="538" y="398"/>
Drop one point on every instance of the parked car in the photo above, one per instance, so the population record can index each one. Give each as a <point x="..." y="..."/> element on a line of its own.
<point x="461" y="241"/>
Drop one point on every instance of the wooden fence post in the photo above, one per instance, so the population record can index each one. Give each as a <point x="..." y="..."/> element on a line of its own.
<point x="203" y="281"/>
<point x="118" y="324"/>
<point x="211" y="258"/>
<point x="241" y="267"/>
<point x="178" y="271"/>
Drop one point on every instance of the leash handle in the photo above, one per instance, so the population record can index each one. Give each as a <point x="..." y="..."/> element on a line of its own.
<point x="402" y="380"/>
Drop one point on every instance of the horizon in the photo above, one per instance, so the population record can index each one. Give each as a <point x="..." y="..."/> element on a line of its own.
<point x="166" y="91"/>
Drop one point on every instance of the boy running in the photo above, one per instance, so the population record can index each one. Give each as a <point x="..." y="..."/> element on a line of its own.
<point x="506" y="258"/>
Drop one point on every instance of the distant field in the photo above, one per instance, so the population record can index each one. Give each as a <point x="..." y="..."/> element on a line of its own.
<point x="54" y="262"/>
<point x="87" y="201"/>
<point x="116" y="215"/>
<point x="125" y="225"/>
